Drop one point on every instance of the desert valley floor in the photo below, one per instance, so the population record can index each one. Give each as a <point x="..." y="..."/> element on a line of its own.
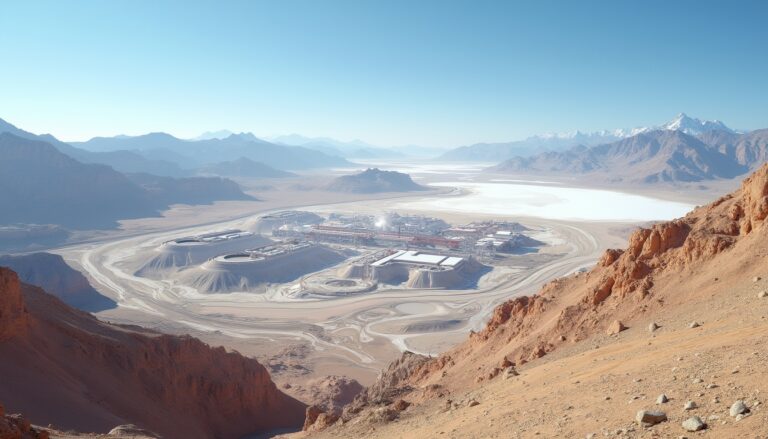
<point x="357" y="335"/>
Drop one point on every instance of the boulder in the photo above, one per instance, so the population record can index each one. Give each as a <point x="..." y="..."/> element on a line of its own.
<point x="694" y="423"/>
<point x="650" y="417"/>
<point x="739" y="408"/>
<point x="615" y="327"/>
<point x="400" y="405"/>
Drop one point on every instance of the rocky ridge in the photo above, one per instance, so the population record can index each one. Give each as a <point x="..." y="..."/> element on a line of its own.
<point x="75" y="372"/>
<point x="687" y="269"/>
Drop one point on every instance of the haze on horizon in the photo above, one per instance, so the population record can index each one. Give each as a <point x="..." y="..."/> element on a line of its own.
<point x="438" y="74"/>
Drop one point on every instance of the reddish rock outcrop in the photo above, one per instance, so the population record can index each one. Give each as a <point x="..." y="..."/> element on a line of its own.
<point x="329" y="394"/>
<point x="64" y="367"/>
<point x="18" y="427"/>
<point x="13" y="314"/>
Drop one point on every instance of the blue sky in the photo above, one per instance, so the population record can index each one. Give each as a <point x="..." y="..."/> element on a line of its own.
<point x="434" y="73"/>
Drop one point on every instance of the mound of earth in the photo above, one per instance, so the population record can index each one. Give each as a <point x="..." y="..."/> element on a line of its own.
<point x="64" y="367"/>
<point x="374" y="180"/>
<point x="190" y="251"/>
<point x="241" y="273"/>
<point x="674" y="323"/>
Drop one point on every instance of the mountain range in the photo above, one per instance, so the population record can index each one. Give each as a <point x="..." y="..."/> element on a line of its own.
<point x="668" y="155"/>
<point x="497" y="152"/>
<point x="198" y="153"/>
<point x="243" y="167"/>
<point x="354" y="149"/>
<point x="39" y="184"/>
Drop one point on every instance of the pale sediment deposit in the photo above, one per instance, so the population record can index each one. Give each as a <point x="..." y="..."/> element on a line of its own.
<point x="194" y="250"/>
<point x="247" y="270"/>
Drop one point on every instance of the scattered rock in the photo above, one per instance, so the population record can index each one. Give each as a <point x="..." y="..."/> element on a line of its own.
<point x="712" y="386"/>
<point x="615" y="327"/>
<point x="472" y="403"/>
<point x="401" y="404"/>
<point x="650" y="417"/>
<point x="653" y="326"/>
<point x="694" y="325"/>
<point x="739" y="408"/>
<point x="694" y="424"/>
<point x="690" y="405"/>
<point x="312" y="413"/>
<point x="662" y="399"/>
<point x="131" y="431"/>
<point x="510" y="372"/>
<point x="756" y="279"/>
<point x="697" y="381"/>
<point x="762" y="294"/>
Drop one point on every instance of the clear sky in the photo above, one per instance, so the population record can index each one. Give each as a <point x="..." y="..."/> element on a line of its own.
<point x="433" y="73"/>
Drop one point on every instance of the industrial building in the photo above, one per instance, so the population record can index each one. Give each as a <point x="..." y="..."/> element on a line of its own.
<point x="416" y="269"/>
<point x="285" y="219"/>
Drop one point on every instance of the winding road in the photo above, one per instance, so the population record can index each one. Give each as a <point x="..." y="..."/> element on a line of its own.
<point x="353" y="328"/>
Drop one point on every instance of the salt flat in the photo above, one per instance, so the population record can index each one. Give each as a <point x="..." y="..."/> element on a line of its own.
<point x="548" y="201"/>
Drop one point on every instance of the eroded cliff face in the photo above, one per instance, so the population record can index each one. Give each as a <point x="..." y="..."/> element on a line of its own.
<point x="65" y="367"/>
<point x="625" y="285"/>
<point x="13" y="313"/>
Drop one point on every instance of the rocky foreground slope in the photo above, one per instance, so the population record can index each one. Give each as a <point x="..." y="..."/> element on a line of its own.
<point x="64" y="367"/>
<point x="665" y="338"/>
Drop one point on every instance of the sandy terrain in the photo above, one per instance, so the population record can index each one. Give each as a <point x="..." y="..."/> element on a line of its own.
<point x="675" y="324"/>
<point x="354" y="336"/>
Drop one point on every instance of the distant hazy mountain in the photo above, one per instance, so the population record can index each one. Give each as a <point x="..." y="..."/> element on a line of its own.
<point x="496" y="152"/>
<point x="120" y="160"/>
<point x="244" y="167"/>
<point x="205" y="152"/>
<point x="374" y="180"/>
<point x="164" y="191"/>
<point x="41" y="185"/>
<point x="649" y="157"/>
<point x="354" y="149"/>
<point x="208" y="135"/>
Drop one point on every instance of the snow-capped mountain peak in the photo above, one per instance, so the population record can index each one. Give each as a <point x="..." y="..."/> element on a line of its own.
<point x="689" y="125"/>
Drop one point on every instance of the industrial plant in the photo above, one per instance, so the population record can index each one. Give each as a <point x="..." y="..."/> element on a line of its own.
<point x="402" y="251"/>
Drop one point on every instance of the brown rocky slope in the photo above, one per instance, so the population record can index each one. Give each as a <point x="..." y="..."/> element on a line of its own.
<point x="692" y="295"/>
<point x="64" y="367"/>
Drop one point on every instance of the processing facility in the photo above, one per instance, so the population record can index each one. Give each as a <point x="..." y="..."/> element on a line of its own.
<point x="417" y="269"/>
